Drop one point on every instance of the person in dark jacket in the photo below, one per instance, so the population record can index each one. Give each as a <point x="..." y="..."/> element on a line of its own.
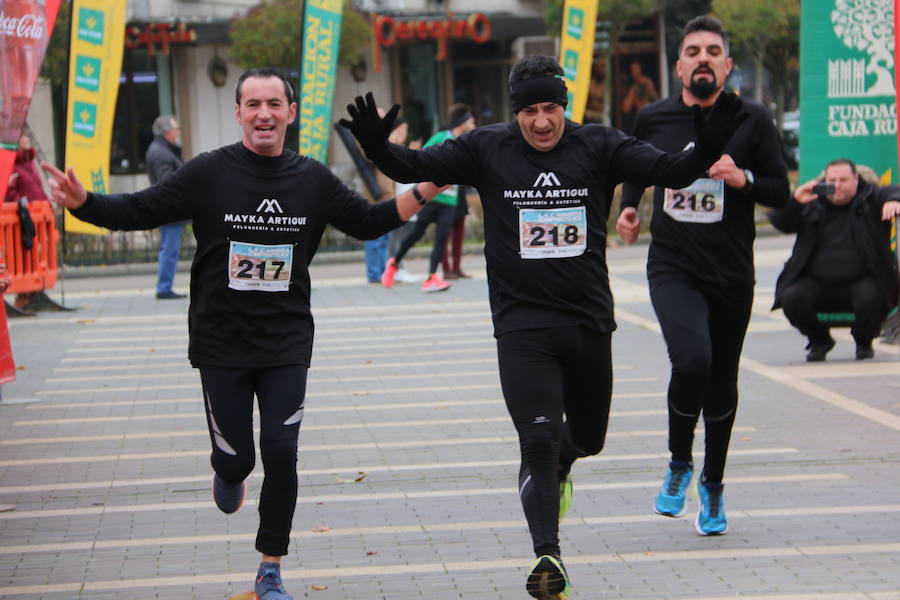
<point x="841" y="259"/>
<point x="164" y="157"/>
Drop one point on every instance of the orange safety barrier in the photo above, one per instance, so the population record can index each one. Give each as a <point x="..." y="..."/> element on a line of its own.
<point x="32" y="270"/>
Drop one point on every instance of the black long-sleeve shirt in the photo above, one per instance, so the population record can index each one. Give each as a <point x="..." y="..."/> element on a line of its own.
<point x="719" y="251"/>
<point x="545" y="213"/>
<point x="258" y="222"/>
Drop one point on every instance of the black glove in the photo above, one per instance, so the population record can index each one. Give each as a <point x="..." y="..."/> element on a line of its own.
<point x="367" y="127"/>
<point x="715" y="130"/>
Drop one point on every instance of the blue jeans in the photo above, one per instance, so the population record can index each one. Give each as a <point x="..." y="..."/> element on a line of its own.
<point x="376" y="257"/>
<point x="169" y="249"/>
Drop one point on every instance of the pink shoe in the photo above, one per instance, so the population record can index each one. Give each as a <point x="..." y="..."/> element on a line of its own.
<point x="390" y="270"/>
<point x="435" y="284"/>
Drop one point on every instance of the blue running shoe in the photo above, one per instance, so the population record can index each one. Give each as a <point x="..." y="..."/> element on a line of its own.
<point x="670" y="501"/>
<point x="565" y="497"/>
<point x="268" y="583"/>
<point x="711" y="516"/>
<point x="548" y="579"/>
<point x="228" y="496"/>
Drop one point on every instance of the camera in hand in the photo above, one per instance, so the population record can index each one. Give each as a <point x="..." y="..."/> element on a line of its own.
<point x="823" y="189"/>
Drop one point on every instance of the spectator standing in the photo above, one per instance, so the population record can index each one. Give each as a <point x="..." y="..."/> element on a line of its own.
<point x="442" y="212"/>
<point x="164" y="158"/>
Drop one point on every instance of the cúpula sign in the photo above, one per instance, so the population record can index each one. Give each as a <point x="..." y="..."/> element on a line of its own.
<point x="391" y="30"/>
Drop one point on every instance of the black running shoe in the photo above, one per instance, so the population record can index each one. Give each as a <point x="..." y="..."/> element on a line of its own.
<point x="228" y="496"/>
<point x="548" y="579"/>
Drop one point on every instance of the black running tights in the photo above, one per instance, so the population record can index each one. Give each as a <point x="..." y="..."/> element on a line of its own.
<point x="546" y="374"/>
<point x="228" y="397"/>
<point x="704" y="327"/>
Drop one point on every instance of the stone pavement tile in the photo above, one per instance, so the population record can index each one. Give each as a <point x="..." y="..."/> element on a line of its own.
<point x="780" y="417"/>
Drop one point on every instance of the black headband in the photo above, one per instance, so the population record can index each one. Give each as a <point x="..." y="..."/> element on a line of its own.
<point x="460" y="119"/>
<point x="526" y="92"/>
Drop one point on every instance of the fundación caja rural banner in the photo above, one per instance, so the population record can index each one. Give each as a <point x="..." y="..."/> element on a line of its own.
<point x="848" y="99"/>
<point x="95" y="64"/>
<point x="25" y="29"/>
<point x="576" y="53"/>
<point x="318" y="69"/>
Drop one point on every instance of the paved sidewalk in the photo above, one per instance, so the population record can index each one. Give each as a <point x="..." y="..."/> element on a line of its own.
<point x="409" y="460"/>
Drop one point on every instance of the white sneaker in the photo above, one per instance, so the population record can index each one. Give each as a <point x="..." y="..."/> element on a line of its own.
<point x="404" y="276"/>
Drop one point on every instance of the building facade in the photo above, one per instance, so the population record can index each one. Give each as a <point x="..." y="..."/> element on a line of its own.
<point x="426" y="55"/>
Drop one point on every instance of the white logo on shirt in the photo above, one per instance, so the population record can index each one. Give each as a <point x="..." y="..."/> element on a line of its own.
<point x="546" y="179"/>
<point x="269" y="205"/>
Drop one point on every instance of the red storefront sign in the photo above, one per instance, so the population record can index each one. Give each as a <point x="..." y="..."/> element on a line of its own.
<point x="162" y="34"/>
<point x="390" y="30"/>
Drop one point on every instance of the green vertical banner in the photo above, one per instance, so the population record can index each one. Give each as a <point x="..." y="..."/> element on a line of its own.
<point x="576" y="53"/>
<point x="848" y="97"/>
<point x="321" y="42"/>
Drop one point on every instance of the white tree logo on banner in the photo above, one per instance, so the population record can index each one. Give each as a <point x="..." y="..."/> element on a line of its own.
<point x="866" y="26"/>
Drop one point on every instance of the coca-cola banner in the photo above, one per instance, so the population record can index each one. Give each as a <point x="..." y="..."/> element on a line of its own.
<point x="25" y="28"/>
<point x="24" y="33"/>
<point x="95" y="65"/>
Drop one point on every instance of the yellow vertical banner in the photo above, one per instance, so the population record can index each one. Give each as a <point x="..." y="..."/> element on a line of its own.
<point x="576" y="52"/>
<point x="95" y="65"/>
<point x="321" y="44"/>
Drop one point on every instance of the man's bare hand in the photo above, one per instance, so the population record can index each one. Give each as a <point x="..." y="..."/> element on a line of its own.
<point x="889" y="210"/>
<point x="65" y="189"/>
<point x="725" y="169"/>
<point x="628" y="226"/>
<point x="804" y="193"/>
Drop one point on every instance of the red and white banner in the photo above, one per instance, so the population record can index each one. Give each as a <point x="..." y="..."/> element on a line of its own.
<point x="25" y="28"/>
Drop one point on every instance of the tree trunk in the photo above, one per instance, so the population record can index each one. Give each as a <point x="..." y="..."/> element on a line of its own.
<point x="759" y="69"/>
<point x="608" y="87"/>
<point x="779" y="93"/>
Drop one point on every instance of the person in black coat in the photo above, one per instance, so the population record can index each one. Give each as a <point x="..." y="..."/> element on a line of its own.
<point x="841" y="261"/>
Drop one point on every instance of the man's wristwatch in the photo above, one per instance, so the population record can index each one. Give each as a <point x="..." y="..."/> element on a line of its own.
<point x="422" y="200"/>
<point x="750" y="180"/>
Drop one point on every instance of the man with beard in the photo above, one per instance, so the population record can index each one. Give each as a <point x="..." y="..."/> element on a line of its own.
<point x="700" y="263"/>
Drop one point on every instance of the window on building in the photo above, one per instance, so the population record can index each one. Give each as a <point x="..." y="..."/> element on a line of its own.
<point x="145" y="92"/>
<point x="480" y="75"/>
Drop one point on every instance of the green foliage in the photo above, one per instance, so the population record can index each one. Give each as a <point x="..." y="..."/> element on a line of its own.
<point x="269" y="35"/>
<point x="769" y="31"/>
<point x="616" y="12"/>
<point x="356" y="36"/>
<point x="55" y="66"/>
<point x="553" y="17"/>
<point x="755" y="26"/>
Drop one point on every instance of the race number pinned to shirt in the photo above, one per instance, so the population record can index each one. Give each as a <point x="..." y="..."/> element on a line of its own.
<point x="552" y="233"/>
<point x="260" y="267"/>
<point x="701" y="202"/>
